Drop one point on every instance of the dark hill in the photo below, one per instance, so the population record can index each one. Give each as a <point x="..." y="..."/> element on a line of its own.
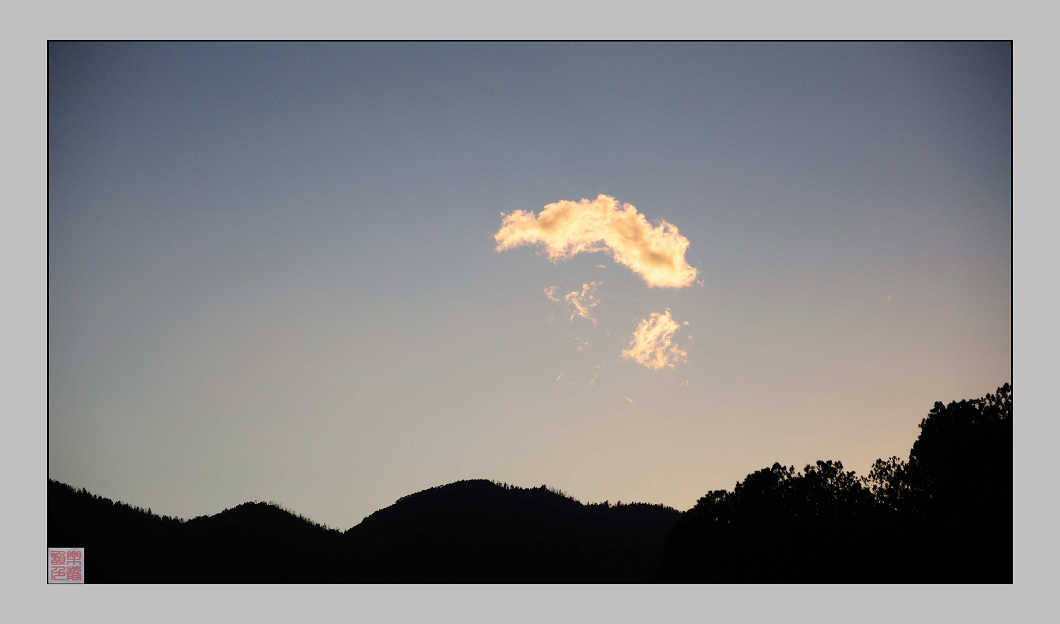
<point x="261" y="542"/>
<point x="118" y="539"/>
<point x="945" y="515"/>
<point x="254" y="542"/>
<point x="470" y="531"/>
<point x="480" y="532"/>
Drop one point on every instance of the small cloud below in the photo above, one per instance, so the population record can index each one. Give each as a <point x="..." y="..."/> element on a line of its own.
<point x="559" y="377"/>
<point x="628" y="399"/>
<point x="592" y="382"/>
<point x="888" y="298"/>
<point x="579" y="302"/>
<point x="600" y="266"/>
<point x="652" y="344"/>
<point x="582" y="302"/>
<point x="684" y="383"/>
<point x="568" y="228"/>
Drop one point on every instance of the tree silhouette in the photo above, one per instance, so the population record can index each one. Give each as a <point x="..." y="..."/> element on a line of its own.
<point x="943" y="516"/>
<point x="958" y="488"/>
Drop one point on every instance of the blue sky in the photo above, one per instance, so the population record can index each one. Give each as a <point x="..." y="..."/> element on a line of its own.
<point x="272" y="268"/>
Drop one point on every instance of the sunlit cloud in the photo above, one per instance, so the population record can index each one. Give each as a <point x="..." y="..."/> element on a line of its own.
<point x="567" y="228"/>
<point x="592" y="382"/>
<point x="582" y="302"/>
<point x="652" y="344"/>
<point x="559" y="377"/>
<point x="684" y="383"/>
<point x="628" y="399"/>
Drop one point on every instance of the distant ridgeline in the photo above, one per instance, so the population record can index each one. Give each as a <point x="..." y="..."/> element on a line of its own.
<point x="945" y="515"/>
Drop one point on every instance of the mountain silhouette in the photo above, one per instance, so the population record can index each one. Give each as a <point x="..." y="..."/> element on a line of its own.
<point x="250" y="543"/>
<point x="469" y="531"/>
<point x="945" y="515"/>
<point x="480" y="532"/>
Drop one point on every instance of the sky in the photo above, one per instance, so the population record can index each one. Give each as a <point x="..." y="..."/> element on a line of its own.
<point x="331" y="275"/>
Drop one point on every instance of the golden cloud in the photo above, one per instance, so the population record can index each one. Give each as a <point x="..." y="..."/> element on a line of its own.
<point x="582" y="302"/>
<point x="652" y="344"/>
<point x="567" y="228"/>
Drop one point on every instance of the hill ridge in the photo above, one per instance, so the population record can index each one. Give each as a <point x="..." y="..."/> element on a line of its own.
<point x="943" y="515"/>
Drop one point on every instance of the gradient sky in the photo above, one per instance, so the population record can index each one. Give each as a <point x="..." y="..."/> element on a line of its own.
<point x="273" y="272"/>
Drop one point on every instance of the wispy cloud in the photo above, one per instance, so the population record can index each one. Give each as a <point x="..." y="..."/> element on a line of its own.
<point x="567" y="228"/>
<point x="652" y="344"/>
<point x="628" y="399"/>
<point x="559" y="377"/>
<point x="582" y="302"/>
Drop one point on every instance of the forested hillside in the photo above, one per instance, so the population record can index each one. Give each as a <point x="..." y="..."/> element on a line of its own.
<point x="943" y="515"/>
